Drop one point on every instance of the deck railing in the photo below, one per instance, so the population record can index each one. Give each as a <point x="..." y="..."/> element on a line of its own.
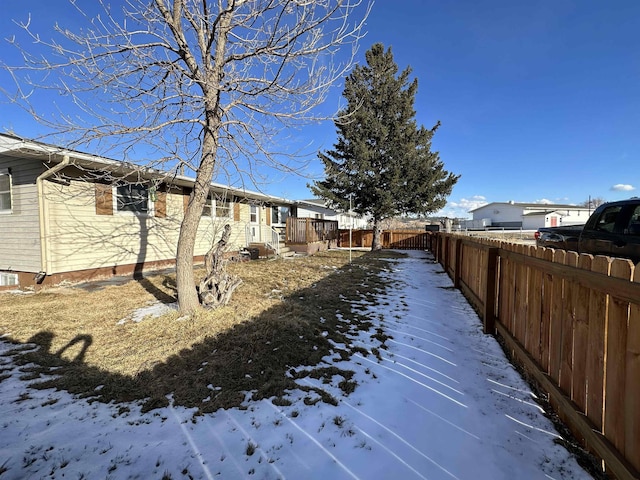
<point x="309" y="230"/>
<point x="263" y="234"/>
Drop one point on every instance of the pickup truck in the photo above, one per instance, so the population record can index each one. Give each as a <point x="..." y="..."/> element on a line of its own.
<point x="612" y="230"/>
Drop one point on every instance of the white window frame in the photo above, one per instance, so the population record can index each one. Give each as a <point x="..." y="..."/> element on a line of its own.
<point x="213" y="205"/>
<point x="5" y="171"/>
<point x="8" y="279"/>
<point x="224" y="207"/>
<point x="150" y="205"/>
<point x="209" y="207"/>
<point x="280" y="216"/>
<point x="254" y="213"/>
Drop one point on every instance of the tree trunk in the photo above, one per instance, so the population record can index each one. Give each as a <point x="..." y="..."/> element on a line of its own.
<point x="188" y="299"/>
<point x="377" y="236"/>
<point x="185" y="283"/>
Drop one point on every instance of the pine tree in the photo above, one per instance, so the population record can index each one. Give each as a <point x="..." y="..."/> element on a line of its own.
<point x="382" y="160"/>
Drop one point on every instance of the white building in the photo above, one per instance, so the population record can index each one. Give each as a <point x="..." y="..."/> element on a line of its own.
<point x="528" y="216"/>
<point x="316" y="208"/>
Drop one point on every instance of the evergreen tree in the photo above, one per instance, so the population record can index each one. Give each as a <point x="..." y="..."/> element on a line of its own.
<point x="382" y="160"/>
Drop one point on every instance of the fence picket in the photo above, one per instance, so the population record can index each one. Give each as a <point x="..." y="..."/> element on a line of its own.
<point x="556" y="320"/>
<point x="568" y="327"/>
<point x="598" y="311"/>
<point x="545" y="314"/>
<point x="503" y="289"/>
<point x="632" y="409"/>
<point x="615" y="369"/>
<point x="522" y="277"/>
<point x="534" y="299"/>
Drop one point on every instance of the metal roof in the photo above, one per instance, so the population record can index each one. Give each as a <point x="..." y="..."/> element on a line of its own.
<point x="546" y="206"/>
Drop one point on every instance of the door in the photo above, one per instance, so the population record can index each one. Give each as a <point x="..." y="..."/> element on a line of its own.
<point x="628" y="245"/>
<point x="279" y="216"/>
<point x="254" y="223"/>
<point x="600" y="237"/>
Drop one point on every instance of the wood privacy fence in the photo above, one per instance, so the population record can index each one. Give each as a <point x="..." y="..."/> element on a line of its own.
<point x="309" y="230"/>
<point x="573" y="321"/>
<point x="396" y="239"/>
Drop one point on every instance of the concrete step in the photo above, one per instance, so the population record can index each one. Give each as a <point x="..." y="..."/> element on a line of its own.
<point x="267" y="252"/>
<point x="286" y="252"/>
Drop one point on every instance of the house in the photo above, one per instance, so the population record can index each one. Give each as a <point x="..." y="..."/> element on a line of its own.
<point x="527" y="216"/>
<point x="68" y="215"/>
<point x="316" y="208"/>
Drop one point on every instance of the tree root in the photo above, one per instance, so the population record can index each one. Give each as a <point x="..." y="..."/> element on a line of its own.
<point x="217" y="287"/>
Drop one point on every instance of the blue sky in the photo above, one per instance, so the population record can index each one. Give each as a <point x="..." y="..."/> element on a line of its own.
<point x="539" y="100"/>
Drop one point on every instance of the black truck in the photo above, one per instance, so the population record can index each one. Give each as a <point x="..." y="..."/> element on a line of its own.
<point x="612" y="230"/>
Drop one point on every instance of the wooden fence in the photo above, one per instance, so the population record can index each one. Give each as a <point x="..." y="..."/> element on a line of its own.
<point x="395" y="239"/>
<point x="573" y="321"/>
<point x="309" y="230"/>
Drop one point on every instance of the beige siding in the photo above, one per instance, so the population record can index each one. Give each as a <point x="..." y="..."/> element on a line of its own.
<point x="80" y="239"/>
<point x="20" y="229"/>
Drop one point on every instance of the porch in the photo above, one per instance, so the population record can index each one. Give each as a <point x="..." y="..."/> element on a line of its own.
<point x="310" y="235"/>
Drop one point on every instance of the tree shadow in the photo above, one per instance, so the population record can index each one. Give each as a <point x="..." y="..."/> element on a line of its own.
<point x="257" y="359"/>
<point x="158" y="293"/>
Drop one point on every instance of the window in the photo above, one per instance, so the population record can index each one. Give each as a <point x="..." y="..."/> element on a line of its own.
<point x="607" y="219"/>
<point x="132" y="198"/>
<point x="279" y="214"/>
<point x="223" y="209"/>
<point x="8" y="279"/>
<point x="254" y="214"/>
<point x="5" y="191"/>
<point x="634" y="222"/>
<point x="208" y="207"/>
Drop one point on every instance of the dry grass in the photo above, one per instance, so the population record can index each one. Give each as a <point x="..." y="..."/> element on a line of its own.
<point x="275" y="322"/>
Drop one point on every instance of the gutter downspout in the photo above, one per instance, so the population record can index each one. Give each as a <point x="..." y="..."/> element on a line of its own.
<point x="44" y="224"/>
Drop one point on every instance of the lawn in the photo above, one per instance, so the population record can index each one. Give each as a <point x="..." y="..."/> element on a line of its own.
<point x="283" y="316"/>
<point x="429" y="395"/>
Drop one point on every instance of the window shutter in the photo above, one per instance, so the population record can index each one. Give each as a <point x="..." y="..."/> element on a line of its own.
<point x="186" y="192"/>
<point x="268" y="210"/>
<point x="160" y="206"/>
<point x="104" y="199"/>
<point x="236" y="211"/>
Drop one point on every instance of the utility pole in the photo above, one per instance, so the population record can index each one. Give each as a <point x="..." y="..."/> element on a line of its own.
<point x="350" y="224"/>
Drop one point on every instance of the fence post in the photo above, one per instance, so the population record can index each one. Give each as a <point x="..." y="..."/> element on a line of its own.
<point x="490" y="294"/>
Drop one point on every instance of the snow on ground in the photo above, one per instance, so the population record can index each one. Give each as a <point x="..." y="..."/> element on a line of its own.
<point x="443" y="403"/>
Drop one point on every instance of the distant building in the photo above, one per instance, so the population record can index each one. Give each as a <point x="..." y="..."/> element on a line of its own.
<point x="317" y="208"/>
<point x="528" y="216"/>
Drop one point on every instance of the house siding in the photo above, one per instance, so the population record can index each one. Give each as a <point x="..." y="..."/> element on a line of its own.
<point x="528" y="216"/>
<point x="501" y="215"/>
<point x="343" y="219"/>
<point x="80" y="239"/>
<point x="20" y="229"/>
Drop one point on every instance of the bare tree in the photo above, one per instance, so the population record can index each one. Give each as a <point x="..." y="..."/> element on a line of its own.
<point x="593" y="203"/>
<point x="202" y="82"/>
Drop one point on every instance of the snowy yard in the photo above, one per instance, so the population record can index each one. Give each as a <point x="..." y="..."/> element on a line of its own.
<point x="441" y="402"/>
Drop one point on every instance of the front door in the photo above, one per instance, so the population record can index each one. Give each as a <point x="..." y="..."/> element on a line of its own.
<point x="254" y="223"/>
